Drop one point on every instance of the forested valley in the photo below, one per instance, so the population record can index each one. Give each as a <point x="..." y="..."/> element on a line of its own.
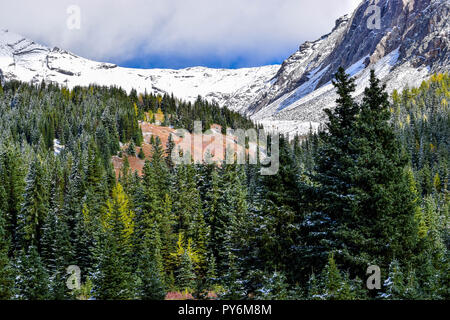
<point x="370" y="188"/>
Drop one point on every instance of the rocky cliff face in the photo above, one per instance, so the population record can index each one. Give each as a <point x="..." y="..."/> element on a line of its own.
<point x="300" y="66"/>
<point x="418" y="27"/>
<point x="411" y="43"/>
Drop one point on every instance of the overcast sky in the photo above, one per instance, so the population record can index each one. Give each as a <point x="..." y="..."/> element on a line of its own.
<point x="177" y="33"/>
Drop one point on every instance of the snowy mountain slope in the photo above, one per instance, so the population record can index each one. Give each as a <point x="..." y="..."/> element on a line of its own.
<point x="413" y="42"/>
<point x="298" y="70"/>
<point x="24" y="60"/>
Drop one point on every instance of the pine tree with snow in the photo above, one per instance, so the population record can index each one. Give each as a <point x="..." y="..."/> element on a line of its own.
<point x="233" y="281"/>
<point x="150" y="201"/>
<point x="170" y="147"/>
<point x="151" y="283"/>
<point x="211" y="274"/>
<point x="118" y="218"/>
<point x="433" y="264"/>
<point x="57" y="253"/>
<point x="188" y="208"/>
<point x="131" y="150"/>
<point x="364" y="197"/>
<point x="332" y="284"/>
<point x="12" y="178"/>
<point x="217" y="219"/>
<point x="154" y="244"/>
<point x="32" y="280"/>
<point x="185" y="275"/>
<point x="114" y="248"/>
<point x="166" y="228"/>
<point x="113" y="279"/>
<point x="314" y="290"/>
<point x="281" y="209"/>
<point x="6" y="272"/>
<point x="330" y="184"/>
<point x="160" y="170"/>
<point x="394" y="285"/>
<point x="380" y="223"/>
<point x="200" y="239"/>
<point x="275" y="287"/>
<point x="35" y="206"/>
<point x="72" y="213"/>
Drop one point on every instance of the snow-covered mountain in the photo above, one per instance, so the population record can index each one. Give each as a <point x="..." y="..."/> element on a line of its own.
<point x="24" y="60"/>
<point x="412" y="43"/>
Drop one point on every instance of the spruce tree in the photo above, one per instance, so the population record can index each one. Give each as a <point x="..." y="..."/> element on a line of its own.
<point x="394" y="285"/>
<point x="12" y="176"/>
<point x="366" y="201"/>
<point x="185" y="275"/>
<point x="170" y="147"/>
<point x="281" y="201"/>
<point x="160" y="169"/>
<point x="217" y="219"/>
<point x="188" y="208"/>
<point x="165" y="226"/>
<point x="327" y="196"/>
<point x="382" y="222"/>
<point x="35" y="205"/>
<point x="332" y="284"/>
<point x="150" y="201"/>
<point x="131" y="150"/>
<point x="151" y="284"/>
<point x="118" y="219"/>
<point x="275" y="287"/>
<point x="141" y="154"/>
<point x="113" y="279"/>
<point x="232" y="279"/>
<point x="57" y="253"/>
<point x="72" y="213"/>
<point x="211" y="274"/>
<point x="6" y="272"/>
<point x="32" y="280"/>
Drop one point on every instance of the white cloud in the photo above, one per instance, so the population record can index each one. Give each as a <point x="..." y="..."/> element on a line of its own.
<point x="120" y="30"/>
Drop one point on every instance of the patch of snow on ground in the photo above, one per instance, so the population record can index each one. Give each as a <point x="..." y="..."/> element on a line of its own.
<point x="306" y="88"/>
<point x="289" y="127"/>
<point x="357" y="67"/>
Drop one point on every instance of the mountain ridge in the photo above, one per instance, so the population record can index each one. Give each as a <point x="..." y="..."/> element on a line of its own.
<point x="411" y="44"/>
<point x="23" y="59"/>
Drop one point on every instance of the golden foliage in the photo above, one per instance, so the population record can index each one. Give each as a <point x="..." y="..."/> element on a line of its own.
<point x="119" y="215"/>
<point x="193" y="255"/>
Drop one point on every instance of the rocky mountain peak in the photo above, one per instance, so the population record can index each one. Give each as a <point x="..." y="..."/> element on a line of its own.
<point x="340" y="21"/>
<point x="410" y="25"/>
<point x="408" y="41"/>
